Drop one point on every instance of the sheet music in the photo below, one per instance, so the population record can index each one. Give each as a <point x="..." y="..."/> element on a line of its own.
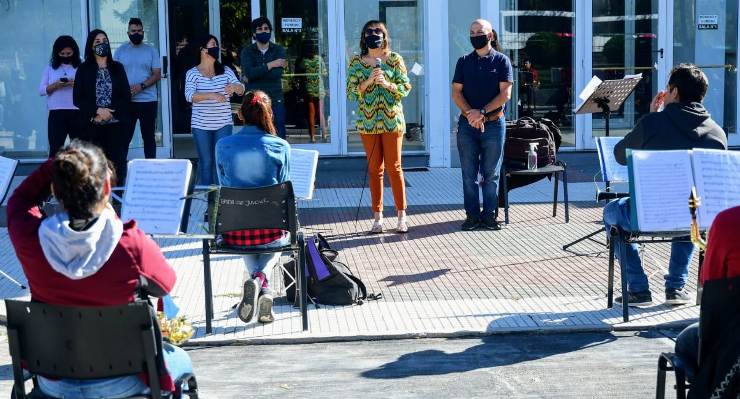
<point x="717" y="178"/>
<point x="7" y="171"/>
<point x="662" y="182"/>
<point x="611" y="170"/>
<point x="303" y="164"/>
<point x="590" y="88"/>
<point x="154" y="194"/>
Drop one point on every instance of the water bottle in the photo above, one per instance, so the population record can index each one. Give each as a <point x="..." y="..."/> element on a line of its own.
<point x="532" y="157"/>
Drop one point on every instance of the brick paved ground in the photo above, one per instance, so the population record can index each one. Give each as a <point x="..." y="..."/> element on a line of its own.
<point x="436" y="280"/>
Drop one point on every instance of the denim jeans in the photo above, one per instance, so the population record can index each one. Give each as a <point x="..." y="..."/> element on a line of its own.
<point x="481" y="152"/>
<point x="205" y="145"/>
<point x="176" y="360"/>
<point x="278" y="118"/>
<point x="687" y="349"/>
<point x="265" y="262"/>
<point x="617" y="214"/>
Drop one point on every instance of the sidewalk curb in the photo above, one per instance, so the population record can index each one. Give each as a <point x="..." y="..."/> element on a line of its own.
<point x="676" y="325"/>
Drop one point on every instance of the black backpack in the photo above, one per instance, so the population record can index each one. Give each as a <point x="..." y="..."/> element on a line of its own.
<point x="330" y="282"/>
<point x="524" y="131"/>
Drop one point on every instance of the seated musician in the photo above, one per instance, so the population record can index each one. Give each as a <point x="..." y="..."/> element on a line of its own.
<point x="682" y="124"/>
<point x="255" y="157"/>
<point x="85" y="256"/>
<point x="722" y="261"/>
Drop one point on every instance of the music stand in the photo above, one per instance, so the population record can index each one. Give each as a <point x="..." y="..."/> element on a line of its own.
<point x="608" y="97"/>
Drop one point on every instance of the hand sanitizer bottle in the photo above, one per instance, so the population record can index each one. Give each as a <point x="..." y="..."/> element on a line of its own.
<point x="532" y="157"/>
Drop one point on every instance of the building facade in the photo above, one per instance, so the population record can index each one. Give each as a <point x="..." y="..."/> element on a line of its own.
<point x="556" y="47"/>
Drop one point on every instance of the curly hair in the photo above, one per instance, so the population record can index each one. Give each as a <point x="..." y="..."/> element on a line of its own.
<point x="79" y="171"/>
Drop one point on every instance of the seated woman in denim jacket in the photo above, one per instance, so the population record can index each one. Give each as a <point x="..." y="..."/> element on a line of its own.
<point x="255" y="157"/>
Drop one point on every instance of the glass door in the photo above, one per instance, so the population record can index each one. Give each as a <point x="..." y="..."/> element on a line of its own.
<point x="625" y="42"/>
<point x="113" y="17"/>
<point x="303" y="29"/>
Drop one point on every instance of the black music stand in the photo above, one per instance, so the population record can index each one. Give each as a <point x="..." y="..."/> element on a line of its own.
<point x="608" y="97"/>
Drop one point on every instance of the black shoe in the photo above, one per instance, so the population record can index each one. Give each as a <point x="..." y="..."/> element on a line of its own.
<point x="248" y="305"/>
<point x="490" y="223"/>
<point x="643" y="298"/>
<point x="676" y="297"/>
<point x="470" y="224"/>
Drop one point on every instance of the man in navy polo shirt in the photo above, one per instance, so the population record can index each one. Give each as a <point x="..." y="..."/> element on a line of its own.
<point x="480" y="88"/>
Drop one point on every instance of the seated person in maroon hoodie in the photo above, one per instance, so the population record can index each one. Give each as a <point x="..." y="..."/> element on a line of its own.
<point x="85" y="256"/>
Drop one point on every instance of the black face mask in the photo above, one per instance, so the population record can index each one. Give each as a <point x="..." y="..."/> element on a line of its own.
<point x="479" y="42"/>
<point x="214" y="52"/>
<point x="136" y="38"/>
<point x="66" y="60"/>
<point x="263" y="37"/>
<point x="101" y="49"/>
<point x="374" y="41"/>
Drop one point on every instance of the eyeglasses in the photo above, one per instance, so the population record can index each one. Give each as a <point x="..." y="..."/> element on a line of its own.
<point x="374" y="31"/>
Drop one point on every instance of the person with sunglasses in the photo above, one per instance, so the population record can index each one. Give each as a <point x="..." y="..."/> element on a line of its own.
<point x="378" y="82"/>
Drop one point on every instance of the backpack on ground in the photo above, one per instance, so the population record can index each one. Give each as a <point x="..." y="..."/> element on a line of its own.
<point x="330" y="282"/>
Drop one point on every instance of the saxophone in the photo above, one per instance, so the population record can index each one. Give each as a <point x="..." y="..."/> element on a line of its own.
<point x="694" y="204"/>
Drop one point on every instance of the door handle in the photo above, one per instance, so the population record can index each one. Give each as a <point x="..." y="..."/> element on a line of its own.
<point x="660" y="51"/>
<point x="165" y="67"/>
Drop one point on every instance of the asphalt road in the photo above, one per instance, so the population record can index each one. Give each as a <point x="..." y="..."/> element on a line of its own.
<point x="579" y="365"/>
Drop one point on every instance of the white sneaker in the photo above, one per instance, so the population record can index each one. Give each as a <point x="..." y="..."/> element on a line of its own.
<point x="247" y="306"/>
<point x="264" y="306"/>
<point x="377" y="226"/>
<point x="402" y="226"/>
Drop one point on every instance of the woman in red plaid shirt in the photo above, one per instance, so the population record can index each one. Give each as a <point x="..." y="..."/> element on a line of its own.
<point x="255" y="157"/>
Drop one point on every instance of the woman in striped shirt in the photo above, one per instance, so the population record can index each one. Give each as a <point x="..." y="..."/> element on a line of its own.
<point x="209" y="86"/>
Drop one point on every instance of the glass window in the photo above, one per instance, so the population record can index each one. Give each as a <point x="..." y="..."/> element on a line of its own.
<point x="301" y="27"/>
<point x="34" y="24"/>
<point x="714" y="50"/>
<point x="538" y="38"/>
<point x="625" y="42"/>
<point x="460" y="15"/>
<point x="404" y="20"/>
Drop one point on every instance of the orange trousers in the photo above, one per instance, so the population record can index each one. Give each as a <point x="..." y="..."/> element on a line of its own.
<point x="385" y="150"/>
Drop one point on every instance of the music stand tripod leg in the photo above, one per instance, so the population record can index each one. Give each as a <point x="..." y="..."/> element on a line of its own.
<point x="14" y="281"/>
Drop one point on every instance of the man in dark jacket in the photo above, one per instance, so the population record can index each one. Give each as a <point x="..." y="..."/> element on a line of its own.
<point x="682" y="124"/>
<point x="262" y="64"/>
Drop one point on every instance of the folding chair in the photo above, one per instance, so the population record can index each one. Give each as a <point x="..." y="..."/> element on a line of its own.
<point x="559" y="167"/>
<point x="233" y="209"/>
<point x="85" y="343"/>
<point x="720" y="303"/>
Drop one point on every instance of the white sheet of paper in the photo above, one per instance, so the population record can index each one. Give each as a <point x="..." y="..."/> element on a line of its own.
<point x="7" y="170"/>
<point x="717" y="179"/>
<point x="303" y="164"/>
<point x="611" y="170"/>
<point x="635" y="76"/>
<point x="417" y="69"/>
<point x="154" y="194"/>
<point x="662" y="185"/>
<point x="590" y="88"/>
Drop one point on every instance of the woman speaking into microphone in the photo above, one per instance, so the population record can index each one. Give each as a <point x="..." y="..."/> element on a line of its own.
<point x="377" y="81"/>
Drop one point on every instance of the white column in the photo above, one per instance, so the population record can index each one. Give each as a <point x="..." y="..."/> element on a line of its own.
<point x="436" y="83"/>
<point x="255" y="7"/>
<point x="491" y="10"/>
<point x="214" y="18"/>
<point x="710" y="55"/>
<point x="583" y="70"/>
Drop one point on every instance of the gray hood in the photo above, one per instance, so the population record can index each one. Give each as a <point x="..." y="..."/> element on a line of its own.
<point x="79" y="254"/>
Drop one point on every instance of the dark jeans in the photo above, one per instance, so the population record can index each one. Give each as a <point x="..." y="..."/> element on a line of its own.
<point x="481" y="151"/>
<point x="113" y="139"/>
<point x="146" y="114"/>
<point x="205" y="145"/>
<point x="61" y="123"/>
<point x="278" y="118"/>
<point x="687" y="349"/>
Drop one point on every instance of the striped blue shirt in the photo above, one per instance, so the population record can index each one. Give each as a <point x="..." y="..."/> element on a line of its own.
<point x="209" y="114"/>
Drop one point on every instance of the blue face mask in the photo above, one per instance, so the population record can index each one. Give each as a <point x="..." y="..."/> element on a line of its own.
<point x="263" y="37"/>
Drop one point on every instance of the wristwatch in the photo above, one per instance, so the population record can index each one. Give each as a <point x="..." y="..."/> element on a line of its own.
<point x="482" y="111"/>
<point x="143" y="86"/>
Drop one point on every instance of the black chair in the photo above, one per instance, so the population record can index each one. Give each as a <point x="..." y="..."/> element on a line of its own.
<point x="233" y="209"/>
<point x="642" y="239"/>
<point x="720" y="304"/>
<point x="85" y="343"/>
<point x="559" y="167"/>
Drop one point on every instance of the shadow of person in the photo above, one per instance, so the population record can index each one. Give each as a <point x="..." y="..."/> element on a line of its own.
<point x="493" y="351"/>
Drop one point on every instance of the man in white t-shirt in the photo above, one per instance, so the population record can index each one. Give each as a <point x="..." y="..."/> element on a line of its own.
<point x="143" y="69"/>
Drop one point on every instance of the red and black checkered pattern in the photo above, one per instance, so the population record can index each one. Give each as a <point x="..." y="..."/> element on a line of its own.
<point x="250" y="238"/>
